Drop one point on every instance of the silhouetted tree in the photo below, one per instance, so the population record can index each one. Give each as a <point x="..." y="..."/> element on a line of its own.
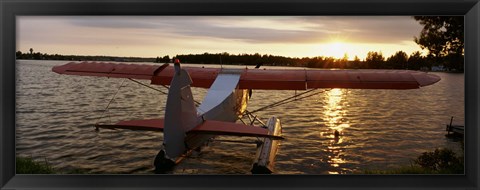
<point x="397" y="61"/>
<point x="356" y="63"/>
<point x="166" y="59"/>
<point x="18" y="55"/>
<point x="342" y="63"/>
<point x="454" y="62"/>
<point x="416" y="61"/>
<point x="374" y="60"/>
<point x="443" y="36"/>
<point x="37" y="56"/>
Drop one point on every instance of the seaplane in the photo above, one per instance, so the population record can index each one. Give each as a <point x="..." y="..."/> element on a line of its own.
<point x="188" y="127"/>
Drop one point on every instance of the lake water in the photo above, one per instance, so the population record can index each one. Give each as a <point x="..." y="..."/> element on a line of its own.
<point x="380" y="129"/>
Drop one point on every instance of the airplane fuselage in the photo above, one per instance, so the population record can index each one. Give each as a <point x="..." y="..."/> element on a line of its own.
<point x="230" y="110"/>
<point x="223" y="102"/>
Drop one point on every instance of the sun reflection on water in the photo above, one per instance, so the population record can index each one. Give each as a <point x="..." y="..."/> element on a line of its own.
<point x="336" y="122"/>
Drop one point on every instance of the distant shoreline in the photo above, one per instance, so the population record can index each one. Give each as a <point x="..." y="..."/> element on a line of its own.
<point x="376" y="61"/>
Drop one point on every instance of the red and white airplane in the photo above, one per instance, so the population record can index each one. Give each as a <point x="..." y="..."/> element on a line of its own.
<point x="187" y="127"/>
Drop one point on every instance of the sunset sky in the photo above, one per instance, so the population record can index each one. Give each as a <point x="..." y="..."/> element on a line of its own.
<point x="292" y="36"/>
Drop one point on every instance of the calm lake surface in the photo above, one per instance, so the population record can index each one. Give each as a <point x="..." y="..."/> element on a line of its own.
<point x="380" y="129"/>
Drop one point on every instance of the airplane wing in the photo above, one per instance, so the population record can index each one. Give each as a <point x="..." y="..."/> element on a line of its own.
<point x="116" y="70"/>
<point x="207" y="127"/>
<point x="266" y="79"/>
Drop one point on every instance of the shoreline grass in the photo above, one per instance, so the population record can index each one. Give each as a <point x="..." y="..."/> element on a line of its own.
<point x="439" y="161"/>
<point x="25" y="165"/>
<point x="30" y="166"/>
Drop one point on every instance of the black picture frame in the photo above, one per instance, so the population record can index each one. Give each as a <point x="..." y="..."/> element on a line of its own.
<point x="11" y="8"/>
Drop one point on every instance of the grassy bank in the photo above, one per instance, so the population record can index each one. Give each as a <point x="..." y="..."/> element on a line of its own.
<point x="439" y="161"/>
<point x="29" y="166"/>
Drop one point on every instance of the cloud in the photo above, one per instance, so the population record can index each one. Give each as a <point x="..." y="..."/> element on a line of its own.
<point x="152" y="35"/>
<point x="199" y="27"/>
<point x="371" y="29"/>
<point x="119" y="22"/>
<point x="313" y="29"/>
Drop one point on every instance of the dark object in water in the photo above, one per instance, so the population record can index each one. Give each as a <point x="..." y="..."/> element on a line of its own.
<point x="336" y="133"/>
<point x="162" y="164"/>
<point x="258" y="169"/>
<point x="455" y="130"/>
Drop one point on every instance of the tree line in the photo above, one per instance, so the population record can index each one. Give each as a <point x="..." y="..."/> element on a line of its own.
<point x="44" y="56"/>
<point x="373" y="60"/>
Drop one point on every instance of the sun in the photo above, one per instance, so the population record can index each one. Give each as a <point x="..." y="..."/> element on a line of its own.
<point x="336" y="49"/>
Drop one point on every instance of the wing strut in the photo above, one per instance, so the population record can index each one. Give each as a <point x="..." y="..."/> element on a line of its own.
<point x="165" y="93"/>
<point x="149" y="86"/>
<point x="290" y="99"/>
<point x="108" y="105"/>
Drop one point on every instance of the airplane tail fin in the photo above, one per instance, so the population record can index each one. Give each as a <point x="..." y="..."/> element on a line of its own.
<point x="180" y="113"/>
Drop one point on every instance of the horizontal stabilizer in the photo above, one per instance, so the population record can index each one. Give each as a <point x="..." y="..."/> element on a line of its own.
<point x="233" y="129"/>
<point x="140" y="125"/>
<point x="207" y="127"/>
